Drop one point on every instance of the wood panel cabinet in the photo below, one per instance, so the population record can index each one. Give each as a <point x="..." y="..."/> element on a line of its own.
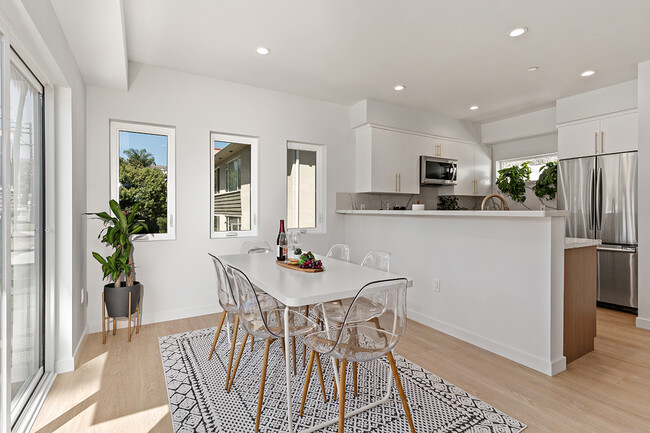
<point x="387" y="161"/>
<point x="608" y="135"/>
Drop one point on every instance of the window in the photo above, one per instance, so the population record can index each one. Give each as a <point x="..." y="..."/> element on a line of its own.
<point x="234" y="185"/>
<point x="535" y="163"/>
<point x="305" y="186"/>
<point x="142" y="171"/>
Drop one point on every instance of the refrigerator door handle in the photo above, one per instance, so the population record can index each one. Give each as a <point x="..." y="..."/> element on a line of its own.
<point x="591" y="199"/>
<point x="599" y="198"/>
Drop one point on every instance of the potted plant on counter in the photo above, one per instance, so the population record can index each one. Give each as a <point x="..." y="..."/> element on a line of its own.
<point x="118" y="233"/>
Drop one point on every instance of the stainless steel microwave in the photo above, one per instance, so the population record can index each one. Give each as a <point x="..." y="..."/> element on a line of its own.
<point x="438" y="171"/>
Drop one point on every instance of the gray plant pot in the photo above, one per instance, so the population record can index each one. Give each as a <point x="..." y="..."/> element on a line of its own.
<point x="117" y="299"/>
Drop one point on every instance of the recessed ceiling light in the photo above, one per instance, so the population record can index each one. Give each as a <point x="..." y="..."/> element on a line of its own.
<point x="399" y="87"/>
<point x="518" y="32"/>
<point x="588" y="73"/>
<point x="263" y="51"/>
<point x="474" y="107"/>
<point x="533" y="68"/>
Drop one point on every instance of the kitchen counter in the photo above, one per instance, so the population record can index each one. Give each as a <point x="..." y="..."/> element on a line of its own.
<point x="570" y="243"/>
<point x="460" y="213"/>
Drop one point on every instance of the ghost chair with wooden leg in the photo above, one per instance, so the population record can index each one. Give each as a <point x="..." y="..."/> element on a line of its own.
<point x="263" y="325"/>
<point x="363" y="338"/>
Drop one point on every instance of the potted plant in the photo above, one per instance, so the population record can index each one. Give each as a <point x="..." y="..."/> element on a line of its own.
<point x="118" y="232"/>
<point x="512" y="181"/>
<point x="546" y="185"/>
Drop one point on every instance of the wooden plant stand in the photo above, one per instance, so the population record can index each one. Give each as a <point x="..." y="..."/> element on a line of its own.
<point x="105" y="318"/>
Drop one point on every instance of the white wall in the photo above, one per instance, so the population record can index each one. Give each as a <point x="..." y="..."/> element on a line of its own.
<point x="47" y="51"/>
<point x="611" y="99"/>
<point x="511" y="302"/>
<point x="177" y="274"/>
<point x="532" y="124"/>
<point x="643" y="320"/>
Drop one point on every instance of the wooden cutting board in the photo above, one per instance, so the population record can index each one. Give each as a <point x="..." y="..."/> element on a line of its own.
<point x="298" y="268"/>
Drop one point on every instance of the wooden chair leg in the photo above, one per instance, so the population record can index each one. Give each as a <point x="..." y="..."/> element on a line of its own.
<point x="114" y="325"/>
<point x="137" y="312"/>
<point x="336" y="392"/>
<point x="234" y="370"/>
<point x="129" y="316"/>
<point x="293" y="345"/>
<point x="402" y="395"/>
<point x="320" y="377"/>
<point x="103" y="320"/>
<point x="232" y="348"/>
<point x="342" y="396"/>
<point x="216" y="336"/>
<point x="354" y="373"/>
<point x="305" y="388"/>
<point x="260" y="397"/>
<point x="252" y="342"/>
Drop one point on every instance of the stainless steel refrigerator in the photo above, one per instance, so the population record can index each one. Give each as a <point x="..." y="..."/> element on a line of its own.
<point x="601" y="194"/>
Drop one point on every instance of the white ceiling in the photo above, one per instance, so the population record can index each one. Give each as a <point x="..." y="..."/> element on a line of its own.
<point x="449" y="54"/>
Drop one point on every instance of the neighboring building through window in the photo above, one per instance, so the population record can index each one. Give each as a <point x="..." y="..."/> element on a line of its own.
<point x="536" y="163"/>
<point x="305" y="186"/>
<point x="234" y="180"/>
<point x="142" y="171"/>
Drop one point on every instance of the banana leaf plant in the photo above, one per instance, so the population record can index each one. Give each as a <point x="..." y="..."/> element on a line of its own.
<point x="120" y="229"/>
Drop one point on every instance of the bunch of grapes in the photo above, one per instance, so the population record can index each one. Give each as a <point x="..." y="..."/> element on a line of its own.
<point x="308" y="261"/>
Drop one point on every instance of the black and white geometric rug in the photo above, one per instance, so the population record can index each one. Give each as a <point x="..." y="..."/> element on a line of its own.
<point x="199" y="402"/>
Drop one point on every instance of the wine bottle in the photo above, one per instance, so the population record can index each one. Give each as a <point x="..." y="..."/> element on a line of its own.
<point x="282" y="243"/>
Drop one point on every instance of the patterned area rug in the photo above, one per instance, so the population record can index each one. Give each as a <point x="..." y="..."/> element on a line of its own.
<point x="199" y="402"/>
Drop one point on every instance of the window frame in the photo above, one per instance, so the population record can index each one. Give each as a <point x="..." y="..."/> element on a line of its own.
<point x="499" y="163"/>
<point x="147" y="128"/>
<point x="321" y="186"/>
<point x="253" y="142"/>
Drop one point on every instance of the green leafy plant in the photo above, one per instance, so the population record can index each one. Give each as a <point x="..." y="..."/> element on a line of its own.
<point x="546" y="185"/>
<point x="118" y="232"/>
<point x="449" y="203"/>
<point x="512" y="181"/>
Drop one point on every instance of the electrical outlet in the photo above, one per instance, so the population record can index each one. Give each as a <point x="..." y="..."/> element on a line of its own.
<point x="83" y="296"/>
<point x="436" y="285"/>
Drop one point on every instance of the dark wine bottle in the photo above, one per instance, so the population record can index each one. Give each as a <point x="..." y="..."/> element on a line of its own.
<point x="282" y="243"/>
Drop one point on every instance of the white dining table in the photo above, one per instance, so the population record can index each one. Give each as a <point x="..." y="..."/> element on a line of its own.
<point x="339" y="280"/>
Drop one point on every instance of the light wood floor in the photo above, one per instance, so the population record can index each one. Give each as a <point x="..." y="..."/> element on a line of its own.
<point x="120" y="386"/>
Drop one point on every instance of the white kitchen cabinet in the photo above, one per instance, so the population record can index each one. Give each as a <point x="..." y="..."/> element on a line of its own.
<point x="437" y="147"/>
<point x="474" y="175"/>
<point x="619" y="133"/>
<point x="608" y="135"/>
<point x="387" y="161"/>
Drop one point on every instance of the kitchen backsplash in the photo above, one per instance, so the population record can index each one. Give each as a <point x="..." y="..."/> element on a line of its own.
<point x="373" y="201"/>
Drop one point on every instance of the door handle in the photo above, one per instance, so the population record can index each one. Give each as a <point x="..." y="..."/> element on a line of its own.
<point x="599" y="199"/>
<point x="591" y="199"/>
<point x="602" y="141"/>
<point x="596" y="142"/>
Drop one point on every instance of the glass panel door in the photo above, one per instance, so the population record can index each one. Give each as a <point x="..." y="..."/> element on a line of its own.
<point x="26" y="294"/>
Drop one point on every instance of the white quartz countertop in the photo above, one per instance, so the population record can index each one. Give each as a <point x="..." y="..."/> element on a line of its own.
<point x="460" y="213"/>
<point x="580" y="243"/>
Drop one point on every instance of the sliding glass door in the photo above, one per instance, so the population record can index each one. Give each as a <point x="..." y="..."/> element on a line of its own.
<point x="23" y="241"/>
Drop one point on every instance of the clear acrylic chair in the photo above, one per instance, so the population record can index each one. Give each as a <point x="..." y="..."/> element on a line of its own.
<point x="364" y="340"/>
<point x="377" y="259"/>
<point x="268" y="325"/>
<point x="340" y="252"/>
<point x="255" y="247"/>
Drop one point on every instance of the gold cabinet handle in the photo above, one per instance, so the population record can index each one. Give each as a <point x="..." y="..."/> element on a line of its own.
<point x="596" y="142"/>
<point x="395" y="182"/>
<point x="602" y="141"/>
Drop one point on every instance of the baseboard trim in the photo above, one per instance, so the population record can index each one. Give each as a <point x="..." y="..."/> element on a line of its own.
<point x="163" y="316"/>
<point x="642" y="323"/>
<point x="549" y="368"/>
<point x="80" y="346"/>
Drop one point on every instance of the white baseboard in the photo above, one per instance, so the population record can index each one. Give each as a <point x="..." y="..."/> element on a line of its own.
<point x="643" y="323"/>
<point x="164" y="316"/>
<point x="64" y="365"/>
<point x="543" y="366"/>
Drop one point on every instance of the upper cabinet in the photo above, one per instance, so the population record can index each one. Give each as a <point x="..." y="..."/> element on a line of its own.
<point x="387" y="161"/>
<point x="474" y="171"/>
<point x="608" y="135"/>
<point x="438" y="147"/>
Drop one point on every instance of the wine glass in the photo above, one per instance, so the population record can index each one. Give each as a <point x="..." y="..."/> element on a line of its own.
<point x="293" y="244"/>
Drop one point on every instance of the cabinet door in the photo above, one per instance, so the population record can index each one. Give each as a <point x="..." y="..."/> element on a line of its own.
<point x="483" y="169"/>
<point x="578" y="140"/>
<point x="619" y="134"/>
<point x="395" y="162"/>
